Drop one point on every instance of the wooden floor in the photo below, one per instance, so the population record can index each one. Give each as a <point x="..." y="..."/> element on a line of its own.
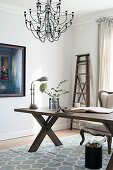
<point x="29" y="139"/>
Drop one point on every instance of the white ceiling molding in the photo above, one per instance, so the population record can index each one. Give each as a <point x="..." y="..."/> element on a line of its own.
<point x="78" y="20"/>
<point x="91" y="17"/>
<point x="12" y="9"/>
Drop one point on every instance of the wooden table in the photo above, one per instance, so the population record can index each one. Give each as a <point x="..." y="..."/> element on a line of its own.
<point x="106" y="119"/>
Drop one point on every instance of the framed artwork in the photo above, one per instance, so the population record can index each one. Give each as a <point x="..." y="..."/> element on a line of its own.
<point x="12" y="70"/>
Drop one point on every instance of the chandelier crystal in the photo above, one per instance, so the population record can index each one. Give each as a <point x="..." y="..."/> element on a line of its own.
<point x="47" y="21"/>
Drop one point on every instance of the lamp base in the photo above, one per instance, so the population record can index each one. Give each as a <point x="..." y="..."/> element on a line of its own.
<point x="33" y="106"/>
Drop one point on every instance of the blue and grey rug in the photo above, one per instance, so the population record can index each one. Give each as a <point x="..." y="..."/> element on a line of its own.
<point x="69" y="156"/>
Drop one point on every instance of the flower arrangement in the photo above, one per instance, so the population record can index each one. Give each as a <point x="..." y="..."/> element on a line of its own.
<point x="96" y="144"/>
<point x="93" y="145"/>
<point x="54" y="92"/>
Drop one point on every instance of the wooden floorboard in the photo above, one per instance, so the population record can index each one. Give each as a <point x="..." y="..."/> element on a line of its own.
<point x="13" y="143"/>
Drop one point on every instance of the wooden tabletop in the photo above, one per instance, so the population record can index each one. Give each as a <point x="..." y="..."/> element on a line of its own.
<point x="104" y="118"/>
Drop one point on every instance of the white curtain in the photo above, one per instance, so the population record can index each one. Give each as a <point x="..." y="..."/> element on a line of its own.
<point x="105" y="59"/>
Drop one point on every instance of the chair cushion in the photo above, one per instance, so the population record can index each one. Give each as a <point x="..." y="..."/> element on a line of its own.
<point x="110" y="101"/>
<point x="93" y="125"/>
<point x="104" y="97"/>
<point x="96" y="132"/>
<point x="107" y="100"/>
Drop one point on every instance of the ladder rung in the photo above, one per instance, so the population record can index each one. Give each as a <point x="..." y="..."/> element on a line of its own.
<point x="80" y="83"/>
<point x="80" y="103"/>
<point x="81" y="64"/>
<point x="81" y="74"/>
<point x="81" y="61"/>
<point x="82" y="55"/>
<point x="83" y="103"/>
<point x="79" y="93"/>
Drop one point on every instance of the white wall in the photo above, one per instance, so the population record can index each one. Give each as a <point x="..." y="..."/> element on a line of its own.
<point x="49" y="59"/>
<point x="85" y="40"/>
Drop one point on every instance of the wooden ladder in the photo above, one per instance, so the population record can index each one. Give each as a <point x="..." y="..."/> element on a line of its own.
<point x="82" y="83"/>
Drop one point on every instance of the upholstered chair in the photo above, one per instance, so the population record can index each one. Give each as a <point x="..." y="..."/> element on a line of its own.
<point x="98" y="129"/>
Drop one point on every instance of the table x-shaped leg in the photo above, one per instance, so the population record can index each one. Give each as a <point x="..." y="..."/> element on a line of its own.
<point x="46" y="129"/>
<point x="109" y="126"/>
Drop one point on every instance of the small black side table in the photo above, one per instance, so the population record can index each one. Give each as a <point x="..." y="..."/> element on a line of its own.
<point x="93" y="157"/>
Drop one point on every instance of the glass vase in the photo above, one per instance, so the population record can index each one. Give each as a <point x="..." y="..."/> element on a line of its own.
<point x="54" y="103"/>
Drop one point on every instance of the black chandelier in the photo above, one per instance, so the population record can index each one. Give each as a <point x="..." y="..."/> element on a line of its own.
<point x="47" y="21"/>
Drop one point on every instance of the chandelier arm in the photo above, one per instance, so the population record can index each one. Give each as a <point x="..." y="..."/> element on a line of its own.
<point x="34" y="23"/>
<point x="65" y="16"/>
<point x="58" y="12"/>
<point x="41" y="29"/>
<point x="58" y="18"/>
<point x="38" y="37"/>
<point x="62" y="31"/>
<point x="69" y="26"/>
<point x="38" y="22"/>
<point x="29" y="28"/>
<point x="34" y="35"/>
<point x="63" y="21"/>
<point x="32" y="26"/>
<point x="36" y="15"/>
<point x="51" y="40"/>
<point x="55" y="27"/>
<point x="43" y="36"/>
<point x="35" y="12"/>
<point x="55" y="11"/>
<point x="42" y="26"/>
<point x="56" y="38"/>
<point x="69" y="22"/>
<point x="42" y="11"/>
<point x="41" y="32"/>
<point x="52" y="18"/>
<point x="42" y="40"/>
<point x="38" y="6"/>
<point x="54" y="23"/>
<point x="43" y="3"/>
<point x="34" y="19"/>
<point x="39" y="10"/>
<point x="64" y="28"/>
<point x="27" y="25"/>
<point x="44" y="18"/>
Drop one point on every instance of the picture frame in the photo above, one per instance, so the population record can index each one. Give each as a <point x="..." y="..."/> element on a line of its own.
<point x="12" y="70"/>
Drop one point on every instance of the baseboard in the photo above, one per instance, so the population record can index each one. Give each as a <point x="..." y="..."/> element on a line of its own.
<point x="76" y="125"/>
<point x="17" y="134"/>
<point x="61" y="126"/>
<point x="29" y="132"/>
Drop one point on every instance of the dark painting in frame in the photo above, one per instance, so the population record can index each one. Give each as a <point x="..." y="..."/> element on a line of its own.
<point x="12" y="70"/>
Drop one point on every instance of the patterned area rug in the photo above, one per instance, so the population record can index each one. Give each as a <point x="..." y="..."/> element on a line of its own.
<point x="69" y="156"/>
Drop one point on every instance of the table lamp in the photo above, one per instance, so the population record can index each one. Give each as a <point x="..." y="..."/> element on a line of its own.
<point x="33" y="105"/>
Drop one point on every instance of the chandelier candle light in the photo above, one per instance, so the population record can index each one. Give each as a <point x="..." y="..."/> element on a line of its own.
<point x="47" y="21"/>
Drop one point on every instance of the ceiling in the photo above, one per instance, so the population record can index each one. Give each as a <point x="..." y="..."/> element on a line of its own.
<point x="80" y="7"/>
